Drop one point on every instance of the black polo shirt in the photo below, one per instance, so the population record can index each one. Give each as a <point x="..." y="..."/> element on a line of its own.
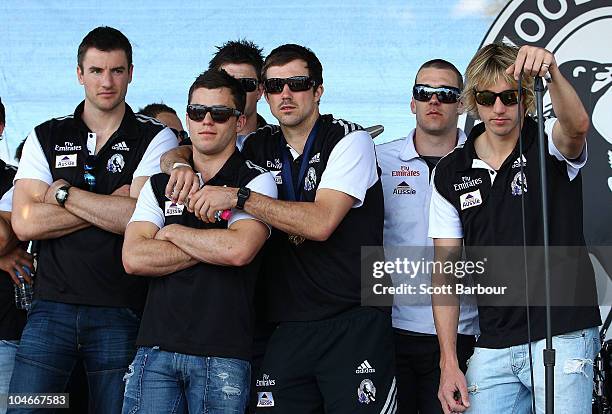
<point x="85" y="267"/>
<point x="12" y="320"/>
<point x="315" y="280"/>
<point x="483" y="206"/>
<point x="206" y="309"/>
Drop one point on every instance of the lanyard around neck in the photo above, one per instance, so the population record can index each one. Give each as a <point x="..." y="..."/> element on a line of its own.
<point x="294" y="190"/>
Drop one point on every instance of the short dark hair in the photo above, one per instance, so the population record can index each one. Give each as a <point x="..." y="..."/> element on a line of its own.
<point x="2" y="113"/>
<point x="238" y="51"/>
<point x="442" y="64"/>
<point x="104" y="38"/>
<point x="215" y="79"/>
<point x="290" y="52"/>
<point x="155" y="109"/>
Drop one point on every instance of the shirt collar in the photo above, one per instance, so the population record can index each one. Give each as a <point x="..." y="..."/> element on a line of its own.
<point x="227" y="173"/>
<point x="127" y="129"/>
<point x="466" y="158"/>
<point x="409" y="151"/>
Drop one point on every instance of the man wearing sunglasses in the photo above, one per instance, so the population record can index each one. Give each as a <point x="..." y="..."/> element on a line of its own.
<point x="75" y="189"/>
<point x="487" y="193"/>
<point x="328" y="354"/>
<point x="199" y="315"/>
<point x="407" y="166"/>
<point x="243" y="60"/>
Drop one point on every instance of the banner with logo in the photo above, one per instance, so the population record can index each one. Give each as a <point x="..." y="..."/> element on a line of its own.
<point x="578" y="32"/>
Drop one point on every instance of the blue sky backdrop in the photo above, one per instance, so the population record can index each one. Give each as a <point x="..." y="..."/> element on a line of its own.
<point x="370" y="50"/>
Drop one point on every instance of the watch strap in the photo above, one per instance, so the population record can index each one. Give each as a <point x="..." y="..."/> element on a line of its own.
<point x="243" y="195"/>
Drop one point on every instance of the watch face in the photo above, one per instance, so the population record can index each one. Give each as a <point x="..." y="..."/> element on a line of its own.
<point x="61" y="195"/>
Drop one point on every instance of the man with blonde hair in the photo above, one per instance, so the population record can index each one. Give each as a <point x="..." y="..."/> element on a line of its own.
<point x="485" y="193"/>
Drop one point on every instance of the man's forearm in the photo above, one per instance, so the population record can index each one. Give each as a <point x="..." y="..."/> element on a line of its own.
<point x="180" y="154"/>
<point x="108" y="212"/>
<point x="41" y="221"/>
<point x="569" y="110"/>
<point x="304" y="219"/>
<point x="446" y="305"/>
<point x="8" y="240"/>
<point x="216" y="246"/>
<point x="446" y="317"/>
<point x="150" y="257"/>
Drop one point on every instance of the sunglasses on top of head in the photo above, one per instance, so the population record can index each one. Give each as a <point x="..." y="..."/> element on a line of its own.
<point x="488" y="98"/>
<point x="295" y="83"/>
<point x="218" y="113"/>
<point x="445" y="94"/>
<point x="249" y="84"/>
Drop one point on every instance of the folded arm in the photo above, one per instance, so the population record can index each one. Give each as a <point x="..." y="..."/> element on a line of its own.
<point x="34" y="219"/>
<point x="234" y="246"/>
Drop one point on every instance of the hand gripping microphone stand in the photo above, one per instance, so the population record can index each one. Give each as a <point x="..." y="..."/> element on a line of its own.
<point x="549" y="352"/>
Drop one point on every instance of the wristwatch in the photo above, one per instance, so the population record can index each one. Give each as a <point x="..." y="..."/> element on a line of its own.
<point x="243" y="195"/>
<point x="61" y="195"/>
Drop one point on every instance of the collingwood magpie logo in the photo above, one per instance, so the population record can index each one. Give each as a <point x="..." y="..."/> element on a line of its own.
<point x="576" y="32"/>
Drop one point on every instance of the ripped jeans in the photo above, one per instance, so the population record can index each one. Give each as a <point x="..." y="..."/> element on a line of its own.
<point x="168" y="382"/>
<point x="499" y="381"/>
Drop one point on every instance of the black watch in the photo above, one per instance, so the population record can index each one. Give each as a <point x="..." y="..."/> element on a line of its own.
<point x="243" y="195"/>
<point x="61" y="195"/>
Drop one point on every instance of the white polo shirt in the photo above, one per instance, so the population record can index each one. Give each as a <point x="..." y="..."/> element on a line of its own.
<point x="407" y="191"/>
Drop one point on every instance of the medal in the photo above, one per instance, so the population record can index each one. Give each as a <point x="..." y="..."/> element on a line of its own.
<point x="296" y="240"/>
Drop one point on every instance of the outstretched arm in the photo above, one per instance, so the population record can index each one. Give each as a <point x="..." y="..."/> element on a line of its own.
<point x="569" y="133"/>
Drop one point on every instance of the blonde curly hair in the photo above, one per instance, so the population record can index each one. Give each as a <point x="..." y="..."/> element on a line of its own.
<point x="488" y="67"/>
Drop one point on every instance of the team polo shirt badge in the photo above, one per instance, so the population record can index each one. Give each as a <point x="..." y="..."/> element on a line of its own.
<point x="311" y="179"/>
<point x="518" y="184"/>
<point x="265" y="399"/>
<point x="366" y="392"/>
<point x="115" y="163"/>
<point x="173" y="209"/>
<point x="64" y="161"/>
<point x="471" y="199"/>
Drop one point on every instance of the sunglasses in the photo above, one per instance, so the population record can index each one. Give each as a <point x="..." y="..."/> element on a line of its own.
<point x="445" y="94"/>
<point x="248" y="84"/>
<point x="488" y="98"/>
<point x="295" y="83"/>
<point x="180" y="135"/>
<point x="218" y="113"/>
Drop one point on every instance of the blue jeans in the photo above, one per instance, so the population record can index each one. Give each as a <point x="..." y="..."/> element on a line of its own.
<point x="57" y="334"/>
<point x="499" y="381"/>
<point x="8" y="349"/>
<point x="168" y="382"/>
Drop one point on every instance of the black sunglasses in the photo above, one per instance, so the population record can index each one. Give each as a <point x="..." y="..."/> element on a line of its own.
<point x="488" y="98"/>
<point x="218" y="113"/>
<point x="249" y="84"/>
<point x="89" y="172"/>
<point x="445" y="94"/>
<point x="180" y="135"/>
<point x="295" y="83"/>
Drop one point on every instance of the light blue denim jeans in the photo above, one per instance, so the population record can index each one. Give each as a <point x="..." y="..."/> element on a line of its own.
<point x="57" y="334"/>
<point x="8" y="349"/>
<point x="172" y="383"/>
<point x="499" y="380"/>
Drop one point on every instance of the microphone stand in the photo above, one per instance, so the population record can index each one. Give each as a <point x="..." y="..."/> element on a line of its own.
<point x="549" y="352"/>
